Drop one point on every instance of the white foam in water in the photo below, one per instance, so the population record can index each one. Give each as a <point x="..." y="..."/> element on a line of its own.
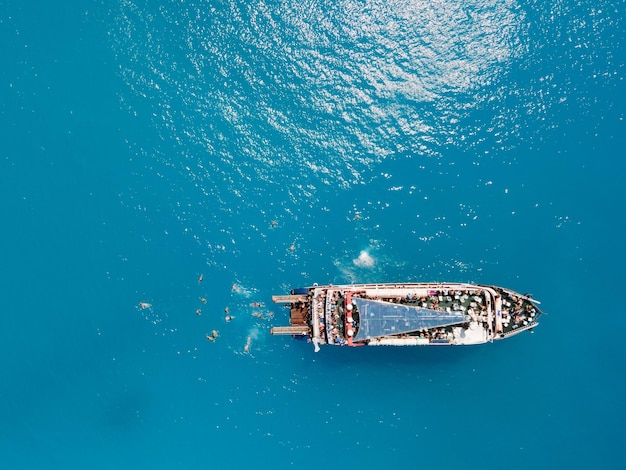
<point x="364" y="260"/>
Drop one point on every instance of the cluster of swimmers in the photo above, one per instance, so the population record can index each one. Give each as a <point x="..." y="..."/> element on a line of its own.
<point x="227" y="316"/>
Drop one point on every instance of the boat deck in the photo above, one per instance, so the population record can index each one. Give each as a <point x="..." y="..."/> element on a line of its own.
<point x="482" y="313"/>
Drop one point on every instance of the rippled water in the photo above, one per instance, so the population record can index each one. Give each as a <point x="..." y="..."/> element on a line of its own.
<point x="267" y="145"/>
<point x="272" y="110"/>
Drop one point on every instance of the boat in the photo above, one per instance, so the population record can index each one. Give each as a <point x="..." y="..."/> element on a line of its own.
<point x="406" y="314"/>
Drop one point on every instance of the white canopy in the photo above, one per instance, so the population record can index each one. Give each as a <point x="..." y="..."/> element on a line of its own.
<point x="378" y="318"/>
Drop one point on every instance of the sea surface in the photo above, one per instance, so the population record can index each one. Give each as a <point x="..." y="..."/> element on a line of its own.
<point x="166" y="163"/>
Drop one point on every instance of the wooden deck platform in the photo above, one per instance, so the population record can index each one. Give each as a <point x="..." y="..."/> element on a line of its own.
<point x="290" y="330"/>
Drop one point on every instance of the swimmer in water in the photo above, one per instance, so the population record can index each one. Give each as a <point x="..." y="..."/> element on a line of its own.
<point x="258" y="315"/>
<point x="203" y="300"/>
<point x="228" y="318"/>
<point x="200" y="278"/>
<point x="256" y="304"/>
<point x="198" y="311"/>
<point x="226" y="310"/>
<point x="273" y="223"/>
<point x="246" y="348"/>
<point x="145" y="305"/>
<point x="210" y="338"/>
<point x="214" y="334"/>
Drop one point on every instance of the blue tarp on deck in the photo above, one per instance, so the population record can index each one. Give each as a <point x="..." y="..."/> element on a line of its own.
<point x="378" y="318"/>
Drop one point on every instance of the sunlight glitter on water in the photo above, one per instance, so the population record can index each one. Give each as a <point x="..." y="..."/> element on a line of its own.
<point x="245" y="94"/>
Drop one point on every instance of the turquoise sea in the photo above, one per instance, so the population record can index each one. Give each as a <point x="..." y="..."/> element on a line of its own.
<point x="265" y="145"/>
